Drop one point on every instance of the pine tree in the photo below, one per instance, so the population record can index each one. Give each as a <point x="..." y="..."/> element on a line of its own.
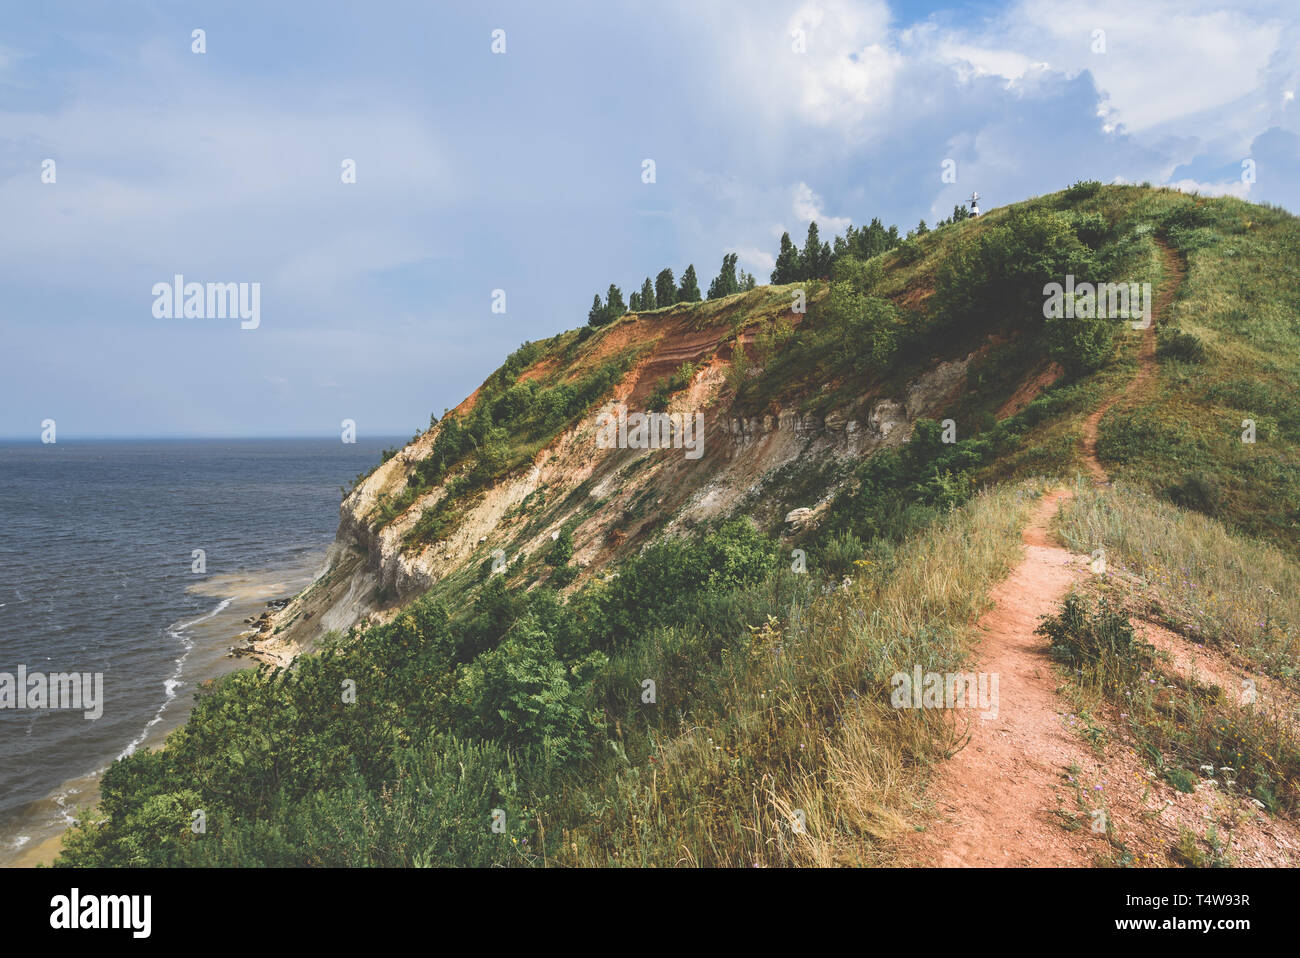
<point x="921" y="228"/>
<point x="872" y="240"/>
<point x="647" y="294"/>
<point x="665" y="288"/>
<point x="815" y="260"/>
<point x="614" y="307"/>
<point x="634" y="302"/>
<point x="689" y="291"/>
<point x="787" y="262"/>
<point x="596" y="316"/>
<point x="725" y="283"/>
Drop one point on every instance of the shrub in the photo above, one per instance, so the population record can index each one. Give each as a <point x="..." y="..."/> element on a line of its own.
<point x="664" y="390"/>
<point x="1080" y="344"/>
<point x="1095" y="639"/>
<point x="1091" y="228"/>
<point x="562" y="550"/>
<point x="1082" y="190"/>
<point x="840" y="552"/>
<point x="999" y="275"/>
<point x="865" y="326"/>
<point x="523" y="690"/>
<point x="1196" y="491"/>
<point x="1176" y="344"/>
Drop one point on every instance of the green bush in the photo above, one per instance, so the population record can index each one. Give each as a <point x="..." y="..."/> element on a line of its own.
<point x="562" y="550"/>
<point x="998" y="276"/>
<point x="1176" y="344"/>
<point x="1080" y="344"/>
<point x="522" y="690"/>
<point x="438" y="810"/>
<point x="1091" y="228"/>
<point x="866" y="327"/>
<point x="1095" y="639"/>
<point x="1081" y="190"/>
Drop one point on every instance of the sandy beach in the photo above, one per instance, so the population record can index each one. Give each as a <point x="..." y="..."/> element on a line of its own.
<point x="35" y="836"/>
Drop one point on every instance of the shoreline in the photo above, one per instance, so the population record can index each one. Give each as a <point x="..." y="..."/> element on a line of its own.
<point x="246" y="613"/>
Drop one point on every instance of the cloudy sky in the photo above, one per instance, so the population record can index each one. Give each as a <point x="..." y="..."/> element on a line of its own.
<point x="522" y="171"/>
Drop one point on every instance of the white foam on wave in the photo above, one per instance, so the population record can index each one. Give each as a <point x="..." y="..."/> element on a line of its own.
<point x="66" y="810"/>
<point x="172" y="685"/>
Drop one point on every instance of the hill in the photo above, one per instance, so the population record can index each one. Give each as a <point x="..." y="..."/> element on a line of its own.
<point x="530" y="648"/>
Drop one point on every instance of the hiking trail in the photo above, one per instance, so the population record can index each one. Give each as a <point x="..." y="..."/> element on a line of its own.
<point x="997" y="800"/>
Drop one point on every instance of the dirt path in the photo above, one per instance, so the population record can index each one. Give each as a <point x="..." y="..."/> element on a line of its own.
<point x="1173" y="272"/>
<point x="997" y="799"/>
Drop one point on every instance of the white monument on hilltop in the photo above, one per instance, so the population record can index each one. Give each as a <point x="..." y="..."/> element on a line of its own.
<point x="974" y="204"/>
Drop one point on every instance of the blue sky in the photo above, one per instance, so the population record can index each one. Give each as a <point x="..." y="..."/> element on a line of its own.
<point x="522" y="171"/>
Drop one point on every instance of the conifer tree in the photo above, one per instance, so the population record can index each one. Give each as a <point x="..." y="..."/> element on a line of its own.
<point x="726" y="282"/>
<point x="815" y="260"/>
<point x="787" y="262"/>
<point x="614" y="306"/>
<point x="665" y="288"/>
<point x="689" y="291"/>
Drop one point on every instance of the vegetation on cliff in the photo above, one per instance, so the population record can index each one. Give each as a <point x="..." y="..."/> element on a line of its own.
<point x="505" y="717"/>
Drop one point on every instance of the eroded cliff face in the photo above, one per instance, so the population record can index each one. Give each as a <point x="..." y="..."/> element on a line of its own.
<point x="613" y="501"/>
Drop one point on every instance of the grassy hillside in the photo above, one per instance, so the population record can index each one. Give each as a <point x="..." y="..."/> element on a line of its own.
<point x="522" y="697"/>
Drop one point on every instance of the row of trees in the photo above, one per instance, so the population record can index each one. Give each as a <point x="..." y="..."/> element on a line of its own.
<point x="728" y="281"/>
<point x="664" y="290"/>
<point x="793" y="265"/>
<point x="817" y="258"/>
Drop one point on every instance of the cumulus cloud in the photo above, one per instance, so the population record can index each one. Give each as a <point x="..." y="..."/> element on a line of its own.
<point x="808" y="207"/>
<point x="522" y="172"/>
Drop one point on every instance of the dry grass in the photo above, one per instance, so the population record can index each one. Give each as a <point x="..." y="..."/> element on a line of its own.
<point x="804" y="761"/>
<point x="1202" y="579"/>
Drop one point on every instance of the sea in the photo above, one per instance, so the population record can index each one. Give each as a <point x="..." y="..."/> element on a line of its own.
<point x="140" y="560"/>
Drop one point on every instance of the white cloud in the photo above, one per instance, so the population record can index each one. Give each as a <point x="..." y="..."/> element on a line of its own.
<point x="1224" y="188"/>
<point x="224" y="187"/>
<point x="808" y="207"/>
<point x="1163" y="62"/>
<point x="760" y="262"/>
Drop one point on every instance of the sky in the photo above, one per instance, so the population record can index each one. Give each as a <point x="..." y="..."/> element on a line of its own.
<point x="522" y="171"/>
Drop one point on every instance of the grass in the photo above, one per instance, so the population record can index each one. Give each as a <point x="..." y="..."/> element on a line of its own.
<point x="1195" y="574"/>
<point x="794" y="722"/>
<point x="772" y="740"/>
<point x="1239" y="304"/>
<point x="1212" y="585"/>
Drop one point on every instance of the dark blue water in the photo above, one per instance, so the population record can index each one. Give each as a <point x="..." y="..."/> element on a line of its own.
<point x="96" y="543"/>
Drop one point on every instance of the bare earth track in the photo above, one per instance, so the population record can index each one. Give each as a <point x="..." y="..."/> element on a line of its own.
<point x="1173" y="272"/>
<point x="998" y="800"/>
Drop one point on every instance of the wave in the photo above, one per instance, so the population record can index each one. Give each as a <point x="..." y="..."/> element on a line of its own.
<point x="172" y="685"/>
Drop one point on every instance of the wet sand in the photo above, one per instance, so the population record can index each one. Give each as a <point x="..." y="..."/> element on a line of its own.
<point x="35" y="836"/>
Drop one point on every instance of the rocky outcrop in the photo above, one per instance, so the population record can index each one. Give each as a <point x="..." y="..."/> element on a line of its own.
<point x="375" y="567"/>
